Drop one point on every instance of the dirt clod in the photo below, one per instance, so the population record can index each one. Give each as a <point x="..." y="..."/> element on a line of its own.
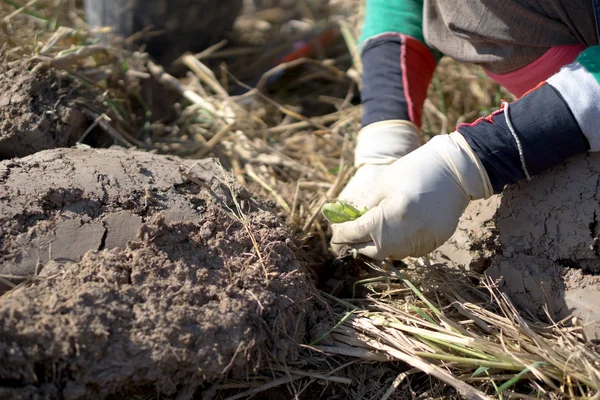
<point x="36" y="112"/>
<point x="145" y="278"/>
<point x="537" y="237"/>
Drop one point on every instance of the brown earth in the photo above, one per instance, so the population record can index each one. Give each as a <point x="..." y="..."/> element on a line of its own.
<point x="540" y="240"/>
<point x="36" y="112"/>
<point x="143" y="277"/>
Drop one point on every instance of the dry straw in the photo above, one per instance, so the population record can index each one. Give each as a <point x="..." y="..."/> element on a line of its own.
<point x="468" y="335"/>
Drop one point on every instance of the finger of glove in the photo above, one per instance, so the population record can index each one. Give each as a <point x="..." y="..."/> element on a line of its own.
<point x="368" y="249"/>
<point x="375" y="242"/>
<point x="338" y="248"/>
<point x="354" y="232"/>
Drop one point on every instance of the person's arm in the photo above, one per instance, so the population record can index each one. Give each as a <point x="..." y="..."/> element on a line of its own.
<point x="557" y="119"/>
<point x="415" y="205"/>
<point x="397" y="69"/>
<point x="397" y="65"/>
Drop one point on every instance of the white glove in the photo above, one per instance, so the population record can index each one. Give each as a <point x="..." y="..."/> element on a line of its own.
<point x="377" y="146"/>
<point x="415" y="204"/>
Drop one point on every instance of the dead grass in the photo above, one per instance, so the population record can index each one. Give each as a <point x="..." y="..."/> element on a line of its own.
<point x="290" y="140"/>
<point x="459" y="328"/>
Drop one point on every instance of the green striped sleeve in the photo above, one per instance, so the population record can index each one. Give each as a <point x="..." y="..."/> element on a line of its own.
<point x="590" y="59"/>
<point x="401" y="16"/>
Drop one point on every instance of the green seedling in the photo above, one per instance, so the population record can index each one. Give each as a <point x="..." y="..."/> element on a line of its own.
<point x="341" y="211"/>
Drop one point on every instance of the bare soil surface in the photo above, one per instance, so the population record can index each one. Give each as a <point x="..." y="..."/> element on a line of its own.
<point x="539" y="239"/>
<point x="36" y="112"/>
<point x="144" y="276"/>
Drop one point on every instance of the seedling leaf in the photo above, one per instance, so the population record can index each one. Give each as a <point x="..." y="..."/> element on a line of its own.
<point x="341" y="211"/>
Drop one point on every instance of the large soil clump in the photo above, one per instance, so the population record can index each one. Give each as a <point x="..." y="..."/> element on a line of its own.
<point x="540" y="240"/>
<point x="36" y="112"/>
<point x="149" y="271"/>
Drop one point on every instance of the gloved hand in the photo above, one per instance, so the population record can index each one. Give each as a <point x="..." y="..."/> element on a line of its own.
<point x="378" y="145"/>
<point x="415" y="204"/>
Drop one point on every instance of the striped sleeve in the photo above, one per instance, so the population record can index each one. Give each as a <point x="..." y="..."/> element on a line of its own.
<point x="397" y="64"/>
<point x="554" y="121"/>
<point x="579" y="85"/>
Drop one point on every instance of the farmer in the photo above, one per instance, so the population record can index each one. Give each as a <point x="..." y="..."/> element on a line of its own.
<point x="544" y="52"/>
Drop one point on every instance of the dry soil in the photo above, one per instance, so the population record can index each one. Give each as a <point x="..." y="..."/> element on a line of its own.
<point x="141" y="276"/>
<point x="539" y="240"/>
<point x="36" y="112"/>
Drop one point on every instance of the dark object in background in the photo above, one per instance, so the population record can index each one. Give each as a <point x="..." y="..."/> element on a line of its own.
<point x="176" y="26"/>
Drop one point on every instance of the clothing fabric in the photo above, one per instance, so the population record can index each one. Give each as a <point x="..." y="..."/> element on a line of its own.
<point x="517" y="52"/>
<point x="552" y="122"/>
<point x="583" y="99"/>
<point x="546" y="129"/>
<point x="524" y="40"/>
<point x="503" y="36"/>
<point x="521" y="80"/>
<point x="596" y="4"/>
<point x="393" y="16"/>
<point x="397" y="71"/>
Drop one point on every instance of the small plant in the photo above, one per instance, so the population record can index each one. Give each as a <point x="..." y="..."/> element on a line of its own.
<point x="340" y="211"/>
